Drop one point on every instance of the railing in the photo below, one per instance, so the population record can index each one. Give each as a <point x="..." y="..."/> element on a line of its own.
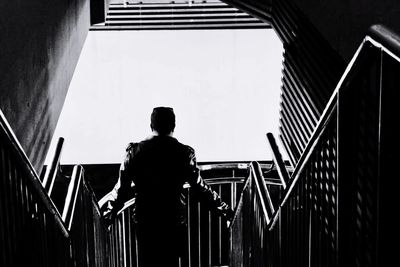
<point x="278" y="161"/>
<point x="368" y="157"/>
<point x="252" y="216"/>
<point x="208" y="237"/>
<point x="53" y="168"/>
<point x="123" y="243"/>
<point x="83" y="219"/>
<point x="32" y="232"/>
<point x="54" y="180"/>
<point x="331" y="213"/>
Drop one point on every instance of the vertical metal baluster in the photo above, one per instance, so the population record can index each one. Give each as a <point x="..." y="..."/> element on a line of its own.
<point x="2" y="227"/>
<point x="209" y="239"/>
<point x="199" y="232"/>
<point x="123" y="230"/>
<point x="219" y="233"/>
<point x="189" y="222"/>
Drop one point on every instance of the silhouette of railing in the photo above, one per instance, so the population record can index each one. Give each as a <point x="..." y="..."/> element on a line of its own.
<point x="83" y="219"/>
<point x="122" y="238"/>
<point x="208" y="237"/>
<point x="32" y="232"/>
<point x="52" y="170"/>
<point x="331" y="212"/>
<point x="253" y="214"/>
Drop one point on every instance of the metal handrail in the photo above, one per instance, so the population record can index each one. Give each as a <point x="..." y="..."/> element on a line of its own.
<point x="51" y="171"/>
<point x="83" y="218"/>
<point x="216" y="181"/>
<point x="252" y="216"/>
<point x="279" y="163"/>
<point x="262" y="190"/>
<point x="127" y="205"/>
<point x="382" y="37"/>
<point x="209" y="166"/>
<point x="241" y="165"/>
<point x="104" y="199"/>
<point x="31" y="173"/>
<point x="378" y="36"/>
<point x="70" y="200"/>
<point x="257" y="177"/>
<point x="314" y="217"/>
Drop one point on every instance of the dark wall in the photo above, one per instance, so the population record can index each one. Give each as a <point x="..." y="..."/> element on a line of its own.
<point x="258" y="8"/>
<point x="98" y="10"/>
<point x="344" y="23"/>
<point x="40" y="43"/>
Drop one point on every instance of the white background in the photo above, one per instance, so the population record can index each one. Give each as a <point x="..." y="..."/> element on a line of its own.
<point x="224" y="86"/>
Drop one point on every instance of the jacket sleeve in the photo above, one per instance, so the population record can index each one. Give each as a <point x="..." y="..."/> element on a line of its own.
<point x="204" y="190"/>
<point x="124" y="188"/>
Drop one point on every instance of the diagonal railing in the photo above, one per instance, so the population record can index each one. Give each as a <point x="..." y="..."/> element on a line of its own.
<point x="32" y="232"/>
<point x="332" y="210"/>
<point x="253" y="214"/>
<point x="83" y="219"/>
<point x="52" y="170"/>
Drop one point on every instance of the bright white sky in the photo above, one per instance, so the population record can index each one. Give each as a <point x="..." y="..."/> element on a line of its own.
<point x="224" y="86"/>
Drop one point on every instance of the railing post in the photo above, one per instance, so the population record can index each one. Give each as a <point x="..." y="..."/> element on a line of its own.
<point x="51" y="171"/>
<point x="72" y="194"/>
<point x="279" y="163"/>
<point x="258" y="178"/>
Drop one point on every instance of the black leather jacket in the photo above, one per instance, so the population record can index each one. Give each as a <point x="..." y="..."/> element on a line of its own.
<point x="158" y="168"/>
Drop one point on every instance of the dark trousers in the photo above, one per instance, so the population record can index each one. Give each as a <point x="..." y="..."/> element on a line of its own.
<point x="162" y="245"/>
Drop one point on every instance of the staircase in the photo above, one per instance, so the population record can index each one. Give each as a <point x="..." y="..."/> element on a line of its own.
<point x="328" y="212"/>
<point x="331" y="211"/>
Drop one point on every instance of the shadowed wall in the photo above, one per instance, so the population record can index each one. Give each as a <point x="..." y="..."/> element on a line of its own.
<point x="344" y="23"/>
<point x="40" y="42"/>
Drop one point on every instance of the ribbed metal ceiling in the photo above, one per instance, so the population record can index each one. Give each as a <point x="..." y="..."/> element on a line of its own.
<point x="176" y="15"/>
